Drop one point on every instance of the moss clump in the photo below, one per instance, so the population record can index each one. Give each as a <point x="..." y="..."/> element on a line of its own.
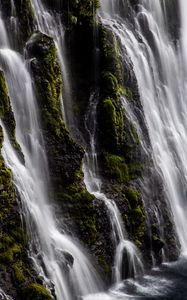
<point x="110" y="85"/>
<point x="116" y="167"/>
<point x="112" y="135"/>
<point x="135" y="219"/>
<point x="80" y="204"/>
<point x="7" y="115"/>
<point x="37" y="292"/>
<point x="110" y="113"/>
<point x="110" y="53"/>
<point x="4" y="99"/>
<point x="48" y="80"/>
<point x="133" y="197"/>
<point x="64" y="155"/>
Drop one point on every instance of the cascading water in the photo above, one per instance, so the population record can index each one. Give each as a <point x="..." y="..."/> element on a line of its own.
<point x="49" y="246"/>
<point x="160" y="70"/>
<point x="51" y="25"/>
<point x="127" y="261"/>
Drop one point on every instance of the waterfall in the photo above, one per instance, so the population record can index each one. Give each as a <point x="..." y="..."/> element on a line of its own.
<point x="160" y="69"/>
<point x="127" y="262"/>
<point x="49" y="245"/>
<point x="51" y="25"/>
<point x="160" y="66"/>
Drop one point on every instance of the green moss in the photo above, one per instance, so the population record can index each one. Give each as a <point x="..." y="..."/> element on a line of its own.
<point x="37" y="292"/>
<point x="110" y="53"/>
<point x="110" y="113"/>
<point x="18" y="273"/>
<point x="48" y="82"/>
<point x="133" y="197"/>
<point x="112" y="135"/>
<point x="7" y="116"/>
<point x="116" y="167"/>
<point x="80" y="204"/>
<point x="135" y="218"/>
<point x="110" y="85"/>
<point x="10" y="255"/>
<point x="4" y="99"/>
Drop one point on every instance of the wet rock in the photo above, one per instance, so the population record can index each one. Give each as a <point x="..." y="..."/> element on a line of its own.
<point x="69" y="258"/>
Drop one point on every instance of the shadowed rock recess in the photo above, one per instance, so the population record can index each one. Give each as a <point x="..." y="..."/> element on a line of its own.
<point x="124" y="167"/>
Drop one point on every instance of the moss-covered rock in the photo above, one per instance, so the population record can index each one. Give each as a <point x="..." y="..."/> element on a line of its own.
<point x="64" y="155"/>
<point x="80" y="207"/>
<point x="136" y="217"/>
<point x="116" y="168"/>
<point x="111" y="131"/>
<point x="7" y="116"/>
<point x="119" y="153"/>
<point x="121" y="163"/>
<point x="38" y="292"/>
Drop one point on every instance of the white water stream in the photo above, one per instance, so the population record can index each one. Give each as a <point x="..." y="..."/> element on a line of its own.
<point x="133" y="265"/>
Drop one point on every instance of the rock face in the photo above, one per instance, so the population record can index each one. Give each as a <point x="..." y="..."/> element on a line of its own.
<point x="124" y="166"/>
<point x="64" y="155"/>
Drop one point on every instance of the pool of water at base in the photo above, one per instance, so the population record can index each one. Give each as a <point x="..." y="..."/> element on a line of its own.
<point x="168" y="282"/>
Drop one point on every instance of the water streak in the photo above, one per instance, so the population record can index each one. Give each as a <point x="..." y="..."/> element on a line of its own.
<point x="127" y="262"/>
